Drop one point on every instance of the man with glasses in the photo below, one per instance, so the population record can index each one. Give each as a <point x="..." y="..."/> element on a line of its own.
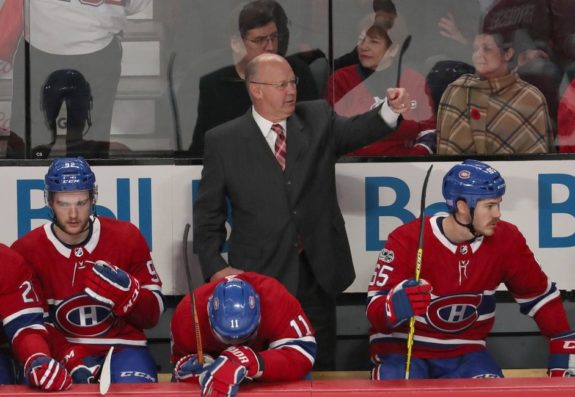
<point x="276" y="165"/>
<point x="223" y="96"/>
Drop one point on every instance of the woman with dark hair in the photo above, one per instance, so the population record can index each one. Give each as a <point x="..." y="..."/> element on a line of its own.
<point x="493" y="111"/>
<point x="357" y="88"/>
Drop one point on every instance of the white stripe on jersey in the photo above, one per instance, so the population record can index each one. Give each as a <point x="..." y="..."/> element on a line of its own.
<point x="23" y="312"/>
<point x="300" y="350"/>
<point x="33" y="326"/>
<point x="287" y="341"/>
<point x="156" y="290"/>
<point x="542" y="303"/>
<point x="426" y="339"/>
<point x="107" y="341"/>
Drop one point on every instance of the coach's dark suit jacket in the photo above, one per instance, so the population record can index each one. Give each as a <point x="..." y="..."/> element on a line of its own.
<point x="271" y="208"/>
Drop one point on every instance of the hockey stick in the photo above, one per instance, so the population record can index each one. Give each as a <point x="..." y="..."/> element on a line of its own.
<point x="404" y="47"/>
<point x="173" y="102"/>
<point x="199" y="348"/>
<point x="417" y="268"/>
<point x="106" y="375"/>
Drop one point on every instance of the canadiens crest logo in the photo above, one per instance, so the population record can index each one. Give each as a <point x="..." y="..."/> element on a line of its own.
<point x="464" y="174"/>
<point x="386" y="255"/>
<point x="454" y="313"/>
<point x="81" y="316"/>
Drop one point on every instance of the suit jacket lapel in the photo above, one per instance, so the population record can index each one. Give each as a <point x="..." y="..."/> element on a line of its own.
<point x="297" y="143"/>
<point x="255" y="141"/>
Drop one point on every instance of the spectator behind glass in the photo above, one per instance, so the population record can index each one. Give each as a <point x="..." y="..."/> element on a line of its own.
<point x="563" y="31"/>
<point x="566" y="121"/>
<point x="440" y="30"/>
<point x="441" y="75"/>
<point x="262" y="26"/>
<point x="78" y="35"/>
<point x="355" y="89"/>
<point x="11" y="20"/>
<point x="493" y="111"/>
<point x="385" y="14"/>
<point x="532" y="26"/>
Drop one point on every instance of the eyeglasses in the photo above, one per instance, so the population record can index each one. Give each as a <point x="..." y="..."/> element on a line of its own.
<point x="261" y="41"/>
<point x="282" y="85"/>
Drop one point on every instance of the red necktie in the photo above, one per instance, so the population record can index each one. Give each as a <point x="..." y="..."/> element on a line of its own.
<point x="280" y="146"/>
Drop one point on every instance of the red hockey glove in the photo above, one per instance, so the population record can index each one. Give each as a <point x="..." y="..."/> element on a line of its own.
<point x="408" y="298"/>
<point x="46" y="373"/>
<point x="223" y="377"/>
<point x="83" y="367"/>
<point x="562" y="355"/>
<point x="188" y="369"/>
<point x="113" y="287"/>
<point x="247" y="358"/>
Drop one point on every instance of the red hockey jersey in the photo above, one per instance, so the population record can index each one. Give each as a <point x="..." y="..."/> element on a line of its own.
<point x="60" y="271"/>
<point x="20" y="307"/>
<point x="464" y="278"/>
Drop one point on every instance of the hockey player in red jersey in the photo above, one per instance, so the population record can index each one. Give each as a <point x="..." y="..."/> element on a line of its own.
<point x="252" y="326"/>
<point x="21" y="313"/>
<point x="466" y="256"/>
<point x="97" y="278"/>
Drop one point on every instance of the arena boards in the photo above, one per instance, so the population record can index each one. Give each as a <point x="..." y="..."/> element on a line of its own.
<point x="508" y="387"/>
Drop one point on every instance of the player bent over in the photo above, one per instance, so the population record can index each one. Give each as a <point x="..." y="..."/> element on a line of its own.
<point x="21" y="312"/>
<point x="97" y="277"/>
<point x="254" y="328"/>
<point x="466" y="255"/>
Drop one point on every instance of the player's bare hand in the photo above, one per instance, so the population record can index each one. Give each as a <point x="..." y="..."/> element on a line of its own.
<point x="398" y="100"/>
<point x="226" y="271"/>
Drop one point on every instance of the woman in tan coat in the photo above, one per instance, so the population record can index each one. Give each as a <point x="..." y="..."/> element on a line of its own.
<point x="493" y="111"/>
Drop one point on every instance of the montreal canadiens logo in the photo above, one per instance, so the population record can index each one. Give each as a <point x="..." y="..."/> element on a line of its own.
<point x="464" y="174"/>
<point x="454" y="313"/>
<point x="82" y="316"/>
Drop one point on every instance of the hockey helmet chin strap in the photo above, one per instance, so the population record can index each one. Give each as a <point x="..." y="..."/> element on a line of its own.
<point x="468" y="226"/>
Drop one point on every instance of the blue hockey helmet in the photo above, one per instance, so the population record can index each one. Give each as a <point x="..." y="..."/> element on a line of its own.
<point x="471" y="181"/>
<point x="70" y="174"/>
<point x="234" y="311"/>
